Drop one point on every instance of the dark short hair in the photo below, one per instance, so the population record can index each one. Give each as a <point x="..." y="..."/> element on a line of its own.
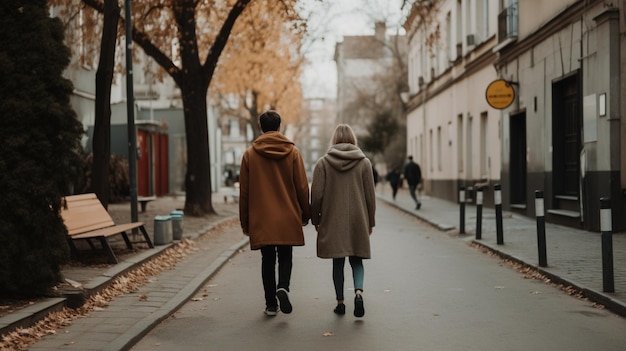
<point x="269" y="121"/>
<point x="410" y="157"/>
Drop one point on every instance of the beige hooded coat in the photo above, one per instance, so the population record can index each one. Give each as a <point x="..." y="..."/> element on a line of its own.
<point x="343" y="202"/>
<point x="273" y="192"/>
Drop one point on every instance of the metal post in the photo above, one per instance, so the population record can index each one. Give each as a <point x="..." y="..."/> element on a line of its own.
<point x="498" y="202"/>
<point x="608" y="284"/>
<point x="541" y="228"/>
<point x="130" y="114"/>
<point x="462" y="212"/>
<point x="479" y="213"/>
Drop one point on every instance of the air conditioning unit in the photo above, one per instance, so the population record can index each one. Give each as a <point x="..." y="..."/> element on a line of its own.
<point x="471" y="40"/>
<point x="459" y="50"/>
<point x="420" y="80"/>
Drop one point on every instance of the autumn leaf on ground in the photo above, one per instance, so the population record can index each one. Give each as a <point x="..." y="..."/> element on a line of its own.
<point x="328" y="333"/>
<point x="197" y="299"/>
<point x="143" y="297"/>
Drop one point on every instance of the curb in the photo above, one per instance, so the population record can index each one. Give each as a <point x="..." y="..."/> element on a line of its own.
<point x="598" y="297"/>
<point x="127" y="340"/>
<point x="444" y="227"/>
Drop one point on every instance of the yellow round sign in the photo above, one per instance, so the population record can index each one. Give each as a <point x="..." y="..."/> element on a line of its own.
<point x="500" y="94"/>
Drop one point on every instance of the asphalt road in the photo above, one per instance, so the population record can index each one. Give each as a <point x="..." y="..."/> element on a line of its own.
<point x="424" y="290"/>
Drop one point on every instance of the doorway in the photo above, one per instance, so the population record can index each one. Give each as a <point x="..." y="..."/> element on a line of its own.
<point x="517" y="156"/>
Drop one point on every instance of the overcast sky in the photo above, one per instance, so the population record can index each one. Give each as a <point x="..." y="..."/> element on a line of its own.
<point x="329" y="22"/>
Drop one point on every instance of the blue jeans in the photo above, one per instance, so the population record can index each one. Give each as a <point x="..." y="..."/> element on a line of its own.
<point x="268" y="271"/>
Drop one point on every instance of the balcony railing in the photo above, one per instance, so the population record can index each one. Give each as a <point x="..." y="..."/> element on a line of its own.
<point x="507" y="23"/>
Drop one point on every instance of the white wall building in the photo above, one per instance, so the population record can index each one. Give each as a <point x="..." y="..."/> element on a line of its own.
<point x="452" y="132"/>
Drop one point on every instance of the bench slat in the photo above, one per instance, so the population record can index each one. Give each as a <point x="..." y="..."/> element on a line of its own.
<point x="109" y="231"/>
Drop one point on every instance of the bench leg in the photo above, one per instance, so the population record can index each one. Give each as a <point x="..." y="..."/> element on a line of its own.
<point x="91" y="245"/>
<point x="73" y="249"/>
<point x="143" y="206"/>
<point x="107" y="248"/>
<point x="129" y="244"/>
<point x="147" y="237"/>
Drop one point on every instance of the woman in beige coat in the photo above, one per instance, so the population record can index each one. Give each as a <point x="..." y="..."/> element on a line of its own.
<point x="343" y="204"/>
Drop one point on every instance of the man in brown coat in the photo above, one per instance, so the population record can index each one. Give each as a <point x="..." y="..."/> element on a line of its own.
<point x="273" y="206"/>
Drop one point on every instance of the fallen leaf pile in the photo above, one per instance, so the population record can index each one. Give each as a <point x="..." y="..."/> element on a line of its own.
<point x="530" y="272"/>
<point x="20" y="338"/>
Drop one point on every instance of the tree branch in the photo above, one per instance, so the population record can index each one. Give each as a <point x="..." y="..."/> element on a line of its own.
<point x="144" y="42"/>
<point x="222" y="38"/>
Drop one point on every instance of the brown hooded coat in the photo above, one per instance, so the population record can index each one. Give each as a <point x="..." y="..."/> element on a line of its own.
<point x="273" y="192"/>
<point x="343" y="202"/>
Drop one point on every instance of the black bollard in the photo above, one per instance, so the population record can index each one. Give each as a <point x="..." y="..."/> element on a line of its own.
<point x="497" y="195"/>
<point x="606" y="228"/>
<point x="541" y="228"/>
<point x="479" y="213"/>
<point x="462" y="211"/>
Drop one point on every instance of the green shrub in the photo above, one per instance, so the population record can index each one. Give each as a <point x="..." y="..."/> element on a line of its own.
<point x="118" y="177"/>
<point x="40" y="148"/>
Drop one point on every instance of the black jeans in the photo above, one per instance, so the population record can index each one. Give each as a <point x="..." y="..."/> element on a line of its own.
<point x="268" y="271"/>
<point x="413" y="192"/>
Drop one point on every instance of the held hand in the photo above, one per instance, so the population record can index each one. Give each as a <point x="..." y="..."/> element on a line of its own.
<point x="317" y="228"/>
<point x="371" y="228"/>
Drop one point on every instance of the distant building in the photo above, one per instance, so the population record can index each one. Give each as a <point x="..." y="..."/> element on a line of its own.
<point x="314" y="139"/>
<point x="362" y="61"/>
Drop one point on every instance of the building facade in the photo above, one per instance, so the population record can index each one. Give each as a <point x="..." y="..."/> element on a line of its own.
<point x="560" y="134"/>
<point x="452" y="132"/>
<point x="317" y="132"/>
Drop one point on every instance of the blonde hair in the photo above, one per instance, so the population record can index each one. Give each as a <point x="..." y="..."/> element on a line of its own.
<point x="344" y="134"/>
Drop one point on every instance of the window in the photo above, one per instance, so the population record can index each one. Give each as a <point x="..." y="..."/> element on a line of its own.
<point x="459" y="142"/>
<point x="439" y="147"/>
<point x="482" y="20"/>
<point x="431" y="147"/>
<point x="484" y="156"/>
<point x="234" y="128"/>
<point x="507" y="20"/>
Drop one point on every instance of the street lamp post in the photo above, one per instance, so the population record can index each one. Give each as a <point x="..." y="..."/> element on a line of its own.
<point x="130" y="112"/>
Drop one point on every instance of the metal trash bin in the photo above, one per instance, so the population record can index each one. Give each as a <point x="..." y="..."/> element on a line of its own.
<point x="177" y="224"/>
<point x="162" y="230"/>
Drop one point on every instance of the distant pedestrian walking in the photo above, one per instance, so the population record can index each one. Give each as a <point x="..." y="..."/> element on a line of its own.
<point x="393" y="178"/>
<point x="413" y="176"/>
<point x="273" y="206"/>
<point x="343" y="204"/>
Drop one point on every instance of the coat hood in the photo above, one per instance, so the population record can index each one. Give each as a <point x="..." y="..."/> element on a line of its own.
<point x="344" y="157"/>
<point x="273" y="145"/>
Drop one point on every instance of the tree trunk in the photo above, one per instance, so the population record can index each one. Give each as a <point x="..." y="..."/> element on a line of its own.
<point x="102" y="128"/>
<point x="198" y="177"/>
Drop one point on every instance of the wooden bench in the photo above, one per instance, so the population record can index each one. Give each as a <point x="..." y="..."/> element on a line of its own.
<point x="86" y="219"/>
<point x="143" y="200"/>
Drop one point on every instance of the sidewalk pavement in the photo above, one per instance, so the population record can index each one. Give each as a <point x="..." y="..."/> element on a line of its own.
<point x="574" y="256"/>
<point x="128" y="317"/>
<point x="574" y="259"/>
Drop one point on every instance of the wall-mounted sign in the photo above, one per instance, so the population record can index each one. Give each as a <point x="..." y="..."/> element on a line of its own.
<point x="500" y="94"/>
